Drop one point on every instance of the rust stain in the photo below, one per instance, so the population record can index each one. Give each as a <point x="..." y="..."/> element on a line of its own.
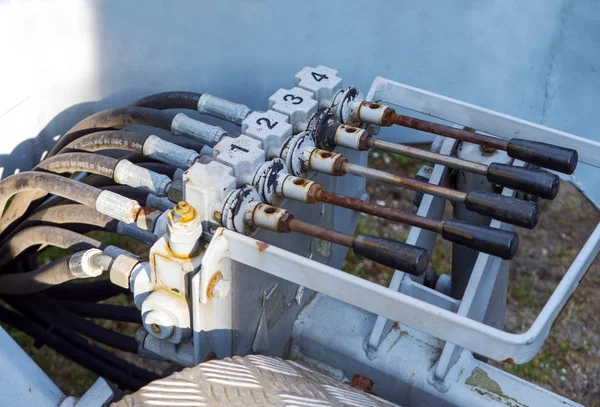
<point x="396" y="326"/>
<point x="262" y="246"/>
<point x="211" y="284"/>
<point x="362" y="383"/>
<point x="509" y="361"/>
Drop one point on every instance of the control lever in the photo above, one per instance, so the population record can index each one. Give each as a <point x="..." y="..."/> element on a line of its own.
<point x="496" y="242"/>
<point x="545" y="155"/>
<point x="244" y="212"/>
<point x="542" y="184"/>
<point x="503" y="208"/>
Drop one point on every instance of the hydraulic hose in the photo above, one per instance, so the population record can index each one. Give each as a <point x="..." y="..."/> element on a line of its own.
<point x="115" y="119"/>
<point x="47" y="276"/>
<point x="78" y="162"/>
<point x="80" y="356"/>
<point x="43" y="182"/>
<point x="104" y="311"/>
<point x="45" y="235"/>
<point x="108" y="140"/>
<point x="169" y="100"/>
<point x="66" y="214"/>
<point x="107" y="202"/>
<point x="86" y="291"/>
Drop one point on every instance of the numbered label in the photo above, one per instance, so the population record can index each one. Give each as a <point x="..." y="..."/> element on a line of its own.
<point x="319" y="76"/>
<point x="296" y="100"/>
<point x="267" y="122"/>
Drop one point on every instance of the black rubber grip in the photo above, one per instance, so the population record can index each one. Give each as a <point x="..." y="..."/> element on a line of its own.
<point x="509" y="210"/>
<point x="492" y="241"/>
<point x="545" y="155"/>
<point x="400" y="256"/>
<point x="542" y="184"/>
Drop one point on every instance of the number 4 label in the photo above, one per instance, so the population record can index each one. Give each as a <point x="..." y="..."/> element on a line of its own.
<point x="319" y="76"/>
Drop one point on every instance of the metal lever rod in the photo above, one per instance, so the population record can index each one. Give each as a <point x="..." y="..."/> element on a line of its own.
<point x="538" y="183"/>
<point x="410" y="259"/>
<point x="510" y="210"/>
<point x="485" y="239"/>
<point x="545" y="155"/>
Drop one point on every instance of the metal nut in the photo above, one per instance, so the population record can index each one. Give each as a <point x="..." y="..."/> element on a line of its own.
<point x="121" y="269"/>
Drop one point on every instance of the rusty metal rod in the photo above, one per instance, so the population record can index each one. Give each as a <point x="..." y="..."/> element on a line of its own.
<point x="545" y="155"/>
<point x="447" y="193"/>
<point x="379" y="211"/>
<point x="485" y="239"/>
<point x="401" y="256"/>
<point x="538" y="183"/>
<point x="503" y="208"/>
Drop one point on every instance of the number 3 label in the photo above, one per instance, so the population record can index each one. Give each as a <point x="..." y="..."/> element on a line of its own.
<point x="296" y="100"/>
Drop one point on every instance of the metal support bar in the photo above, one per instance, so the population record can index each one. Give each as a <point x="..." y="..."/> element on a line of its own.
<point x="425" y="317"/>
<point x="431" y="207"/>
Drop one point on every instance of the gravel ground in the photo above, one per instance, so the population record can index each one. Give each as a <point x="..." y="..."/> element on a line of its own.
<point x="569" y="362"/>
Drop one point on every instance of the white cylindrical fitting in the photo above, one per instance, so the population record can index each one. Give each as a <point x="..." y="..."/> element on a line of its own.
<point x="222" y="109"/>
<point x="296" y="188"/>
<point x="117" y="206"/>
<point x="184" y="235"/>
<point x="183" y="125"/>
<point x="81" y="266"/>
<point x="324" y="161"/>
<point x="128" y="173"/>
<point x="371" y="112"/>
<point x="348" y="136"/>
<point x="266" y="216"/>
<point x="169" y="153"/>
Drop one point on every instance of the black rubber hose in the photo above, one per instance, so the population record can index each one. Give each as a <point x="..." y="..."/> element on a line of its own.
<point x="47" y="183"/>
<point x="114" y="119"/>
<point x="170" y="100"/>
<point x="79" y="162"/>
<point x="104" y="311"/>
<point x="84" y="357"/>
<point x="108" y="140"/>
<point x="89" y="329"/>
<point x="45" y="235"/>
<point x="69" y="215"/>
<point x="47" y="312"/>
<point x="47" y="276"/>
<point x="88" y="292"/>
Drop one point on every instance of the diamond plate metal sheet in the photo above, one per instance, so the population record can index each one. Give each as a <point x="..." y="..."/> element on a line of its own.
<point x="253" y="380"/>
